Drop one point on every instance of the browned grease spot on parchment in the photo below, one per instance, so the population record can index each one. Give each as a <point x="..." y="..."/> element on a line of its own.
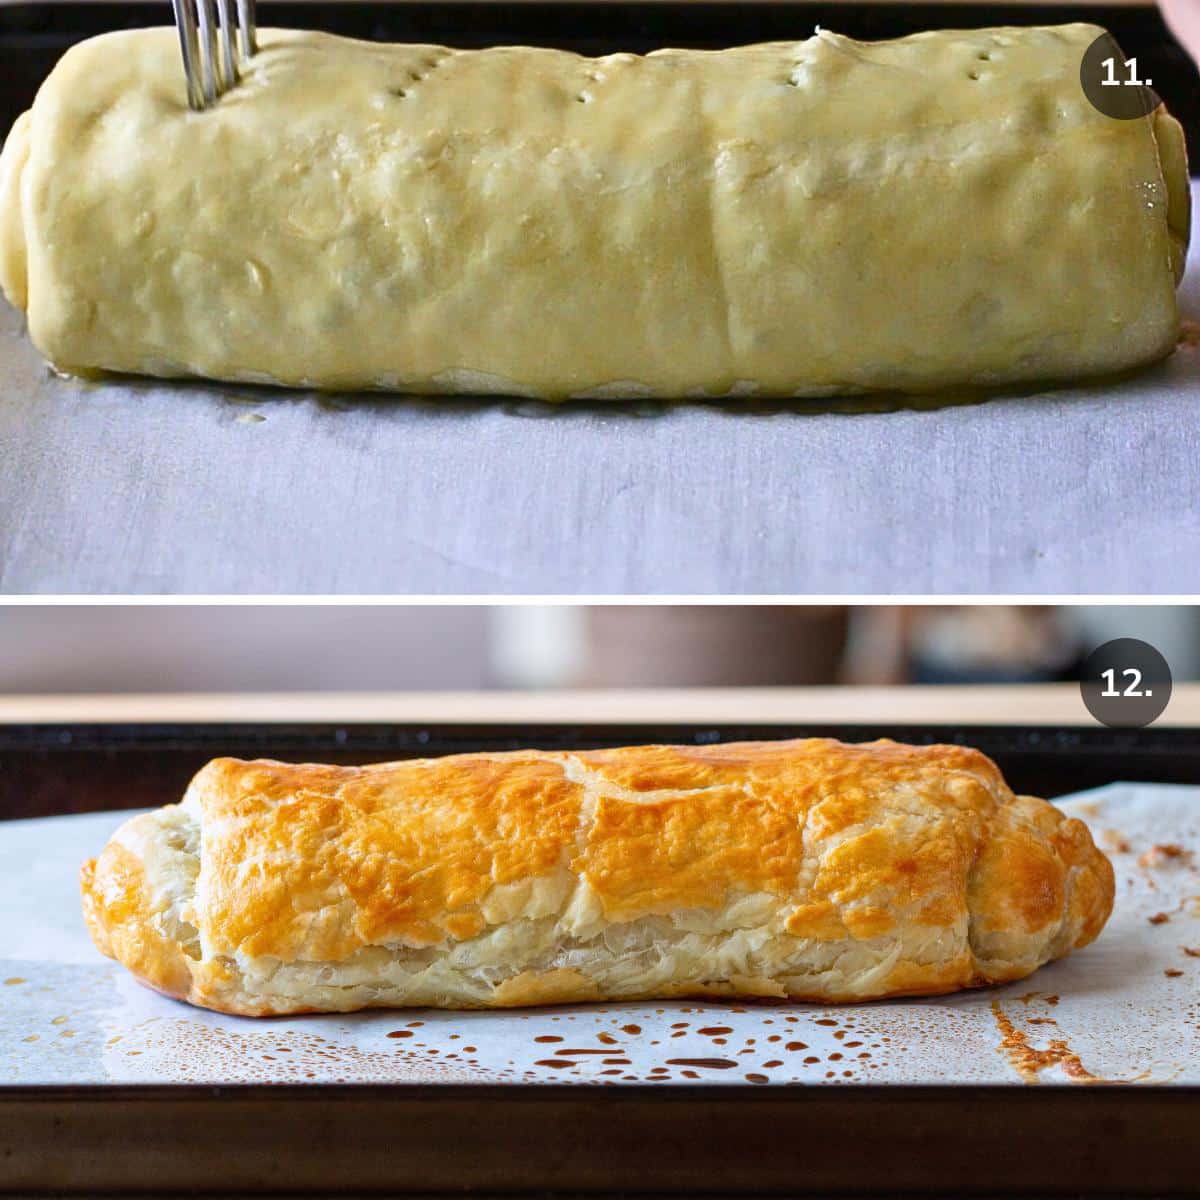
<point x="1030" y="997"/>
<point x="1028" y="1062"/>
<point x="1115" y="841"/>
<point x="1162" y="853"/>
<point x="192" y="1052"/>
<point x="715" y="1064"/>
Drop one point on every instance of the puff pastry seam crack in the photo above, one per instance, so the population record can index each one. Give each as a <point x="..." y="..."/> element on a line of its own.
<point x="809" y="870"/>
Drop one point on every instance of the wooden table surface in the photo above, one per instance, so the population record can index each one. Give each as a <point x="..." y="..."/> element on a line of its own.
<point x="1048" y="704"/>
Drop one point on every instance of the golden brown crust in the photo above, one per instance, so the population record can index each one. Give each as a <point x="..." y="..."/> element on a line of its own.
<point x="116" y="907"/>
<point x="810" y="869"/>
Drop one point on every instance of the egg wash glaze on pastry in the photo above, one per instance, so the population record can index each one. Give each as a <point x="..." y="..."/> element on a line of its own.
<point x="792" y="219"/>
<point x="809" y="870"/>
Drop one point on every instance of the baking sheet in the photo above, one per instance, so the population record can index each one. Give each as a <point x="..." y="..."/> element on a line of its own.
<point x="1127" y="1009"/>
<point x="153" y="488"/>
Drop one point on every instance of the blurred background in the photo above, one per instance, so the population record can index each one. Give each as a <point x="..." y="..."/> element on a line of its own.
<point x="185" y="648"/>
<point x="117" y="706"/>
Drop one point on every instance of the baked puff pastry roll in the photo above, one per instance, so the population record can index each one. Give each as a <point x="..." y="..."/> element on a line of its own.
<point x="794" y="219"/>
<point x="803" y="870"/>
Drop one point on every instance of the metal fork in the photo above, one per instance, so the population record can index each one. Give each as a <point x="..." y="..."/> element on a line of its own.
<point x="210" y="71"/>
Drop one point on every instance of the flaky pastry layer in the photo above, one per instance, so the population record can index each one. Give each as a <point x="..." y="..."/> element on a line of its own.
<point x="808" y="870"/>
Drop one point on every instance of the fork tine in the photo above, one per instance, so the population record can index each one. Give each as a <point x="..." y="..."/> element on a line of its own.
<point x="185" y="23"/>
<point x="247" y="28"/>
<point x="229" y="67"/>
<point x="208" y="49"/>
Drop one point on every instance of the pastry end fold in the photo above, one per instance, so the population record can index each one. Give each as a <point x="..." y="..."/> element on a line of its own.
<point x="131" y="906"/>
<point x="1040" y="888"/>
<point x="1172" y="158"/>
<point x="14" y="280"/>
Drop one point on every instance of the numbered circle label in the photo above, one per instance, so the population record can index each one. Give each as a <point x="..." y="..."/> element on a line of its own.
<point x="1113" y="83"/>
<point x="1126" y="683"/>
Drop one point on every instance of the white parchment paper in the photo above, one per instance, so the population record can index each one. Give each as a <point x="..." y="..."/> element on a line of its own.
<point x="148" y="487"/>
<point x="1125" y="1009"/>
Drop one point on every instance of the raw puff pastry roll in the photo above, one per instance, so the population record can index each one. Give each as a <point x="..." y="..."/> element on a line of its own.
<point x="801" y="218"/>
<point x="808" y="870"/>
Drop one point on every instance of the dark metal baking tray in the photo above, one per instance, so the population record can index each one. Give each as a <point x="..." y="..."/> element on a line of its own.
<point x="33" y="36"/>
<point x="49" y="769"/>
<point x="563" y="1140"/>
